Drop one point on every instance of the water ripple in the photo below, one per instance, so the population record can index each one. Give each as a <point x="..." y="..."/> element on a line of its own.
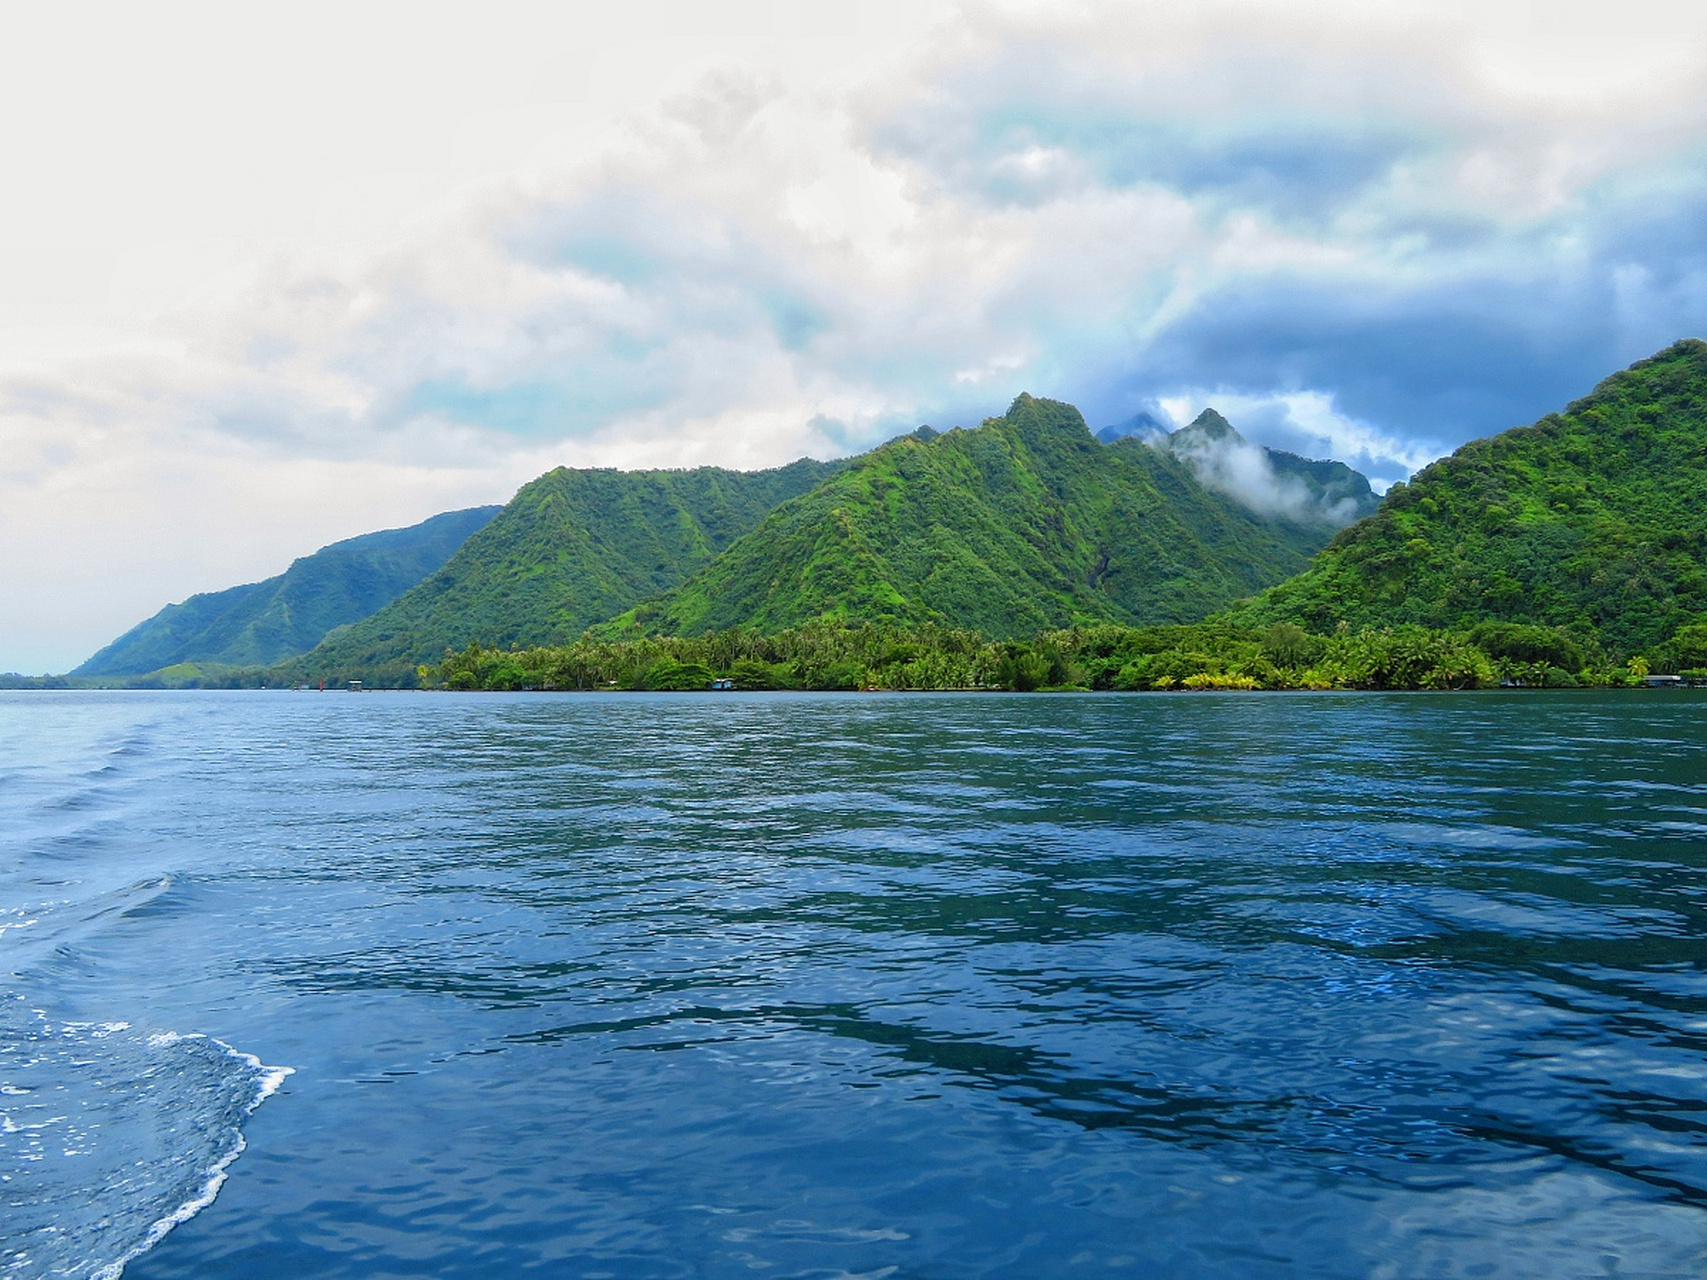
<point x="654" y="985"/>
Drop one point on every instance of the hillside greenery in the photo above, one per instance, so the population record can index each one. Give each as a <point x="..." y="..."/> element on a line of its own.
<point x="1215" y="655"/>
<point x="572" y="548"/>
<point x="262" y="623"/>
<point x="1590" y="521"/>
<point x="1022" y="524"/>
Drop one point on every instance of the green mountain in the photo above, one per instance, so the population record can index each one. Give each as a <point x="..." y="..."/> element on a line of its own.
<point x="571" y="549"/>
<point x="262" y="623"/>
<point x="1589" y="520"/>
<point x="1271" y="482"/>
<point x="1024" y="523"/>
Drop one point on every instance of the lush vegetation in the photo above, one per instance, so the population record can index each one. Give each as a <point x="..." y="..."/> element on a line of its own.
<point x="1021" y="524"/>
<point x="571" y="549"/>
<point x="1590" y="521"/>
<point x="266" y="622"/>
<point x="1214" y="655"/>
<point x="1200" y="656"/>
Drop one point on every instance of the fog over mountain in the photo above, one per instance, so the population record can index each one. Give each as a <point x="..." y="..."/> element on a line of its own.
<point x="1269" y="482"/>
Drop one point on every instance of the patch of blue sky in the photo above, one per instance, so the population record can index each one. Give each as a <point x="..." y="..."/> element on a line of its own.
<point x="1095" y="359"/>
<point x="794" y="319"/>
<point x="1441" y="232"/>
<point x="715" y="281"/>
<point x="849" y="438"/>
<point x="942" y="410"/>
<point x="1659" y="224"/>
<point x="1292" y="166"/>
<point x="615" y="233"/>
<point x="891" y="364"/>
<point x="845" y="439"/>
<point x="610" y="257"/>
<point x="534" y="409"/>
<point x="260" y="422"/>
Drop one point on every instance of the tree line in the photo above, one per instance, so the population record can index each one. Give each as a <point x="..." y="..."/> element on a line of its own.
<point x="1209" y="655"/>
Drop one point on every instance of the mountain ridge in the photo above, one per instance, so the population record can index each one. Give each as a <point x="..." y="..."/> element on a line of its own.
<point x="572" y="548"/>
<point x="1022" y="523"/>
<point x="265" y="622"/>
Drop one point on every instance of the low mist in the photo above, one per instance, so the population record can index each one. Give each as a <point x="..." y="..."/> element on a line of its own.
<point x="1245" y="472"/>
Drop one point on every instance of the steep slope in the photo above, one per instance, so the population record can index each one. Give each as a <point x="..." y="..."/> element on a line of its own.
<point x="572" y="548"/>
<point x="1591" y="519"/>
<point x="261" y="623"/>
<point x="1272" y="482"/>
<point x="1023" y="523"/>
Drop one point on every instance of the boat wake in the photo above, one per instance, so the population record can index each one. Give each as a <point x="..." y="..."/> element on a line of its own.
<point x="111" y="1136"/>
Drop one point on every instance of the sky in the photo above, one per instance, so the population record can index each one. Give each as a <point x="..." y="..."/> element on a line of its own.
<point x="271" y="277"/>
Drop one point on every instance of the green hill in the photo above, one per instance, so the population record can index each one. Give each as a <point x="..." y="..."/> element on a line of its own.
<point x="1590" y="520"/>
<point x="262" y="623"/>
<point x="1024" y="523"/>
<point x="571" y="549"/>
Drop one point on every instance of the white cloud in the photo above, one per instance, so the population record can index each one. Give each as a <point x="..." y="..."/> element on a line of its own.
<point x="1246" y="473"/>
<point x="1306" y="423"/>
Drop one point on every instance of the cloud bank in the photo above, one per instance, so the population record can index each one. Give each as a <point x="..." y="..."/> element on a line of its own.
<point x="1244" y="472"/>
<point x="1364" y="236"/>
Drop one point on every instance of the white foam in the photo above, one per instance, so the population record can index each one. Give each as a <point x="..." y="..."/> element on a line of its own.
<point x="97" y="1030"/>
<point x="268" y="1080"/>
<point x="182" y="1214"/>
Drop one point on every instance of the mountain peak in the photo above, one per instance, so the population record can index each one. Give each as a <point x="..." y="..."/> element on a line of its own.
<point x="1045" y="424"/>
<point x="1208" y="427"/>
<point x="1270" y="482"/>
<point x="1017" y="525"/>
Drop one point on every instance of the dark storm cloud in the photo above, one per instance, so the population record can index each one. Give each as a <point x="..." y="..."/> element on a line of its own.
<point x="1529" y="323"/>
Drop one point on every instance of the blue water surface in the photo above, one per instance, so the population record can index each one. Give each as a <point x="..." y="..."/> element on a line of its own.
<point x="864" y="985"/>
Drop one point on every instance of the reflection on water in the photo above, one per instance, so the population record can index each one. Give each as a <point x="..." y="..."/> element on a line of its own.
<point x="1291" y="985"/>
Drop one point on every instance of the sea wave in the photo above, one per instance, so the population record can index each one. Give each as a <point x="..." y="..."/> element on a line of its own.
<point x="111" y="1136"/>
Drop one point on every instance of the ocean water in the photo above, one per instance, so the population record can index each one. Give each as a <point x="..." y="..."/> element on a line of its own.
<point x="308" y="985"/>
